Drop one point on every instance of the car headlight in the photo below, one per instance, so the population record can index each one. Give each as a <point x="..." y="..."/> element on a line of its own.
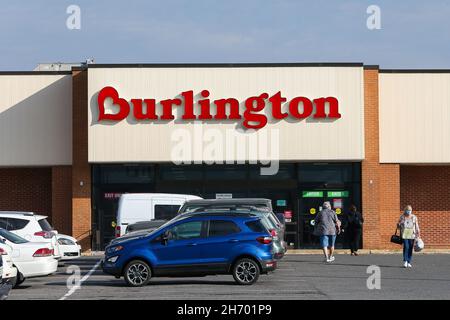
<point x="113" y="259"/>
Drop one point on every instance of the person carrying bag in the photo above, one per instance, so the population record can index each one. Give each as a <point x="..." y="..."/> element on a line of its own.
<point x="409" y="231"/>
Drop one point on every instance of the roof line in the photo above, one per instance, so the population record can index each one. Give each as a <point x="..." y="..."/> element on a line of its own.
<point x="414" y="71"/>
<point x="36" y="73"/>
<point x="226" y="65"/>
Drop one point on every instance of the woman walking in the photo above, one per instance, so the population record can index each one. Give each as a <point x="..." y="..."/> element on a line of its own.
<point x="409" y="230"/>
<point x="326" y="223"/>
<point x="353" y="229"/>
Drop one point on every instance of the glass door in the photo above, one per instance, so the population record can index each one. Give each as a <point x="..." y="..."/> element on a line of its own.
<point x="310" y="204"/>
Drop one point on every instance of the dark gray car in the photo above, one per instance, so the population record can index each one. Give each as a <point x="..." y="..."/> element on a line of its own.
<point x="259" y="206"/>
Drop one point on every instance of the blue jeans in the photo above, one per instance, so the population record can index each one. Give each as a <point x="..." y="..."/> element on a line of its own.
<point x="327" y="241"/>
<point x="408" y="245"/>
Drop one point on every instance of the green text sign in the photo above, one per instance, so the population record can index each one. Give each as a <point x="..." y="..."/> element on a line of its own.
<point x="312" y="194"/>
<point x="337" y="194"/>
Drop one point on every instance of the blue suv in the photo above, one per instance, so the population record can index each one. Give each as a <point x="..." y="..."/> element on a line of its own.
<point x="196" y="244"/>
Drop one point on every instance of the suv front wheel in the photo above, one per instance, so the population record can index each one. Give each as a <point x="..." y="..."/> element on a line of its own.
<point x="246" y="271"/>
<point x="137" y="273"/>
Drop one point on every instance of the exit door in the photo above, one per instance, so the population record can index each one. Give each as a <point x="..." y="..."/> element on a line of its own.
<point x="310" y="204"/>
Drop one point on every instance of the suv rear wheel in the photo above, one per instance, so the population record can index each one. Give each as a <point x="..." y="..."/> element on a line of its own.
<point x="246" y="271"/>
<point x="137" y="273"/>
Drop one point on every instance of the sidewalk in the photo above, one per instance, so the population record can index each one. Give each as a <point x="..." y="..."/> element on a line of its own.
<point x="367" y="251"/>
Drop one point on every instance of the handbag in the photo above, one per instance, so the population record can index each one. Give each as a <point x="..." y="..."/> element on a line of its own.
<point x="395" y="238"/>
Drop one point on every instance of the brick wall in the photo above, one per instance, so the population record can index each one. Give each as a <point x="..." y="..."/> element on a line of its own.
<point x="427" y="190"/>
<point x="62" y="199"/>
<point x="380" y="182"/>
<point x="26" y="189"/>
<point x="81" y="171"/>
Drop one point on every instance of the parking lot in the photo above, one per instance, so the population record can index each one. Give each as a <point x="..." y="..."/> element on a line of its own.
<point x="298" y="277"/>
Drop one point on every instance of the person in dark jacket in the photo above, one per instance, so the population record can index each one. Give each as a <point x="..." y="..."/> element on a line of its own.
<point x="353" y="228"/>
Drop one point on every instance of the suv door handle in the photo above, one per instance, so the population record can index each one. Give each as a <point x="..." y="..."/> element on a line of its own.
<point x="192" y="244"/>
<point x="233" y="240"/>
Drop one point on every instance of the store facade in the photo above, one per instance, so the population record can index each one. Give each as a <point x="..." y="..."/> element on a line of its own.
<point x="298" y="134"/>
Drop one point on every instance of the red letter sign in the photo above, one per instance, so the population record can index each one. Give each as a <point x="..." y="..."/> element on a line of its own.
<point x="124" y="107"/>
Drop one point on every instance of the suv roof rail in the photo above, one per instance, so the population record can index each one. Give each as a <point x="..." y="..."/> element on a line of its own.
<point x="23" y="213"/>
<point x="231" y="206"/>
<point x="219" y="213"/>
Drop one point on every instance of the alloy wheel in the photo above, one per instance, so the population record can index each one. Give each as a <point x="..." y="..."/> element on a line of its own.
<point x="137" y="274"/>
<point x="246" y="271"/>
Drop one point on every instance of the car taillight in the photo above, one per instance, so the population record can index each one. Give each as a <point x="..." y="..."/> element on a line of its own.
<point x="3" y="252"/>
<point x="43" y="252"/>
<point x="264" y="240"/>
<point x="44" y="234"/>
<point x="274" y="234"/>
<point x="117" y="232"/>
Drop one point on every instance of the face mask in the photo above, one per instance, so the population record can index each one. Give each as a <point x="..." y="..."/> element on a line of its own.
<point x="408" y="212"/>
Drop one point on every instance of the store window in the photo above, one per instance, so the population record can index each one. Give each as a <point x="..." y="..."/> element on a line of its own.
<point x="325" y="173"/>
<point x="285" y="171"/>
<point x="232" y="172"/>
<point x="180" y="173"/>
<point x="126" y="174"/>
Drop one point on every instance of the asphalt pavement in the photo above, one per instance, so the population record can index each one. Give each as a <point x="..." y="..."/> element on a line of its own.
<point x="298" y="277"/>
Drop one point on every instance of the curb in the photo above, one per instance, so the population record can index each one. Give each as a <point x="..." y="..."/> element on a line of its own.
<point x="319" y="252"/>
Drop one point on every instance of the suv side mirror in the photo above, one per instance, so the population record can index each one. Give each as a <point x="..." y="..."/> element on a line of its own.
<point x="165" y="237"/>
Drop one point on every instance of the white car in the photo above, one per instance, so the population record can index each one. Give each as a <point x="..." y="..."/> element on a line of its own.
<point x="68" y="247"/>
<point x="9" y="271"/>
<point x="32" y="259"/>
<point x="5" y="285"/>
<point x="31" y="227"/>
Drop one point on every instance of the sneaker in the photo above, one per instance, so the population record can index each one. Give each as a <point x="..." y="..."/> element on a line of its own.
<point x="327" y="260"/>
<point x="405" y="265"/>
<point x="332" y="259"/>
<point x="409" y="265"/>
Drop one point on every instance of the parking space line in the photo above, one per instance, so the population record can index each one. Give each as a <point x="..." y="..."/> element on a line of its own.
<point x="78" y="286"/>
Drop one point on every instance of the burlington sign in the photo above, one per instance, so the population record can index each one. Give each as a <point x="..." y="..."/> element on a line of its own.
<point x="253" y="117"/>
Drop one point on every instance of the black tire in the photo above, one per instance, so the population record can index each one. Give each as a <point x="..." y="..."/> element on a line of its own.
<point x="246" y="271"/>
<point x="18" y="280"/>
<point x="137" y="273"/>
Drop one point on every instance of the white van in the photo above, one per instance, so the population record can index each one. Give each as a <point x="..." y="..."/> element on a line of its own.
<point x="135" y="207"/>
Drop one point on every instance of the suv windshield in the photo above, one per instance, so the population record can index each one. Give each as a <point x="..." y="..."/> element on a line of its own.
<point x="45" y="225"/>
<point x="14" y="238"/>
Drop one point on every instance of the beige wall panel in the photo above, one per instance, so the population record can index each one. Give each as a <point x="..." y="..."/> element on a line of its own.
<point x="414" y="117"/>
<point x="35" y="120"/>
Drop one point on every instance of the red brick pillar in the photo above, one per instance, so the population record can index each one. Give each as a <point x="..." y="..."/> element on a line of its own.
<point x="61" y="199"/>
<point x="81" y="171"/>
<point x="380" y="182"/>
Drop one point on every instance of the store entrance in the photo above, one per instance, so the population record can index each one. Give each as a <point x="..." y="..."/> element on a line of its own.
<point x="310" y="204"/>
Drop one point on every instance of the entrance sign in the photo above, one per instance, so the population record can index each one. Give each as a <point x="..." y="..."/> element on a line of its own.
<point x="312" y="194"/>
<point x="145" y="108"/>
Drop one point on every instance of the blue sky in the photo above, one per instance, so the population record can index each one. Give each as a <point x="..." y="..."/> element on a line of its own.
<point x="414" y="34"/>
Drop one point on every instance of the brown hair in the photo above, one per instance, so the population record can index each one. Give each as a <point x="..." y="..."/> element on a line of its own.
<point x="353" y="208"/>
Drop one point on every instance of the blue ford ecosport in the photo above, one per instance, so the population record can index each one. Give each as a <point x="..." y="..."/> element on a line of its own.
<point x="196" y="244"/>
